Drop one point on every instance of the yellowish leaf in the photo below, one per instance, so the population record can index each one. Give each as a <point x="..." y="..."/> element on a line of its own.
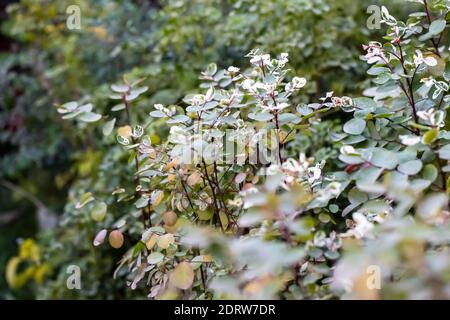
<point x="182" y="276"/>
<point x="124" y="131"/>
<point x="156" y="198"/>
<point x="151" y="241"/>
<point x="165" y="241"/>
<point x="169" y="218"/>
<point x="194" y="178"/>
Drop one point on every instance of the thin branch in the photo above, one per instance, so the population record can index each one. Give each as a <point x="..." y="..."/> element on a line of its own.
<point x="430" y="20"/>
<point x="213" y="192"/>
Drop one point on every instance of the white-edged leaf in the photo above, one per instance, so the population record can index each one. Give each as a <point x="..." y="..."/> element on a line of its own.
<point x="90" y="117"/>
<point x="121" y="88"/>
<point x="118" y="107"/>
<point x="437" y="26"/>
<point x="84" y="199"/>
<point x="155" y="258"/>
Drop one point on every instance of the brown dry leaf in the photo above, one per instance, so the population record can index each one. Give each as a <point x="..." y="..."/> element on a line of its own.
<point x="165" y="241"/>
<point x="205" y="258"/>
<point x="257" y="285"/>
<point x="171" y="177"/>
<point x="124" y="131"/>
<point x="194" y="178"/>
<point x="170" y="229"/>
<point x="156" y="198"/>
<point x="170" y="165"/>
<point x="116" y="239"/>
<point x="169" y="218"/>
<point x="151" y="241"/>
<point x="282" y="135"/>
<point x="182" y="276"/>
<point x="361" y="290"/>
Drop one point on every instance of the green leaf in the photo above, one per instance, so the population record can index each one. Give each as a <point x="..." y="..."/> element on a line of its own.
<point x="71" y="115"/>
<point x="120" y="88"/>
<point x="288" y="118"/>
<point x="108" y="127"/>
<point x="261" y="116"/>
<point x="437" y="26"/>
<point x="86" y="107"/>
<point x="351" y="159"/>
<point x="118" y="107"/>
<point x="374" y="71"/>
<point x="447" y="186"/>
<point x="180" y="118"/>
<point x="324" y="218"/>
<point x="366" y="103"/>
<point x="356" y="197"/>
<point x="141" y="202"/>
<point x="205" y="215"/>
<point x="68" y="107"/>
<point x="90" y="117"/>
<point x="430" y="172"/>
<point x="139" y="91"/>
<point x="315" y="253"/>
<point x="333" y="208"/>
<point x="355" y="126"/>
<point x="332" y="255"/>
<point x="98" y="212"/>
<point x="368" y="176"/>
<point x="155" y="257"/>
<point x="410" y="167"/>
<point x="212" y="69"/>
<point x="157" y="114"/>
<point x="85" y="199"/>
<point x="430" y="136"/>
<point x="138" y="248"/>
<point x="384" y="159"/>
<point x="444" y="152"/>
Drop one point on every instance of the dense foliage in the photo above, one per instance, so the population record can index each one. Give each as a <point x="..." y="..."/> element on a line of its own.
<point x="310" y="167"/>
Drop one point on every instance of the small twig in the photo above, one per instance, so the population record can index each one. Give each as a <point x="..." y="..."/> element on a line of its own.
<point x="430" y="20"/>
<point x="213" y="192"/>
<point x="136" y="163"/>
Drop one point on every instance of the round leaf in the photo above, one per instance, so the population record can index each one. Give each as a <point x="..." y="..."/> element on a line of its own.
<point x="108" y="127"/>
<point x="437" y="26"/>
<point x="90" y="117"/>
<point x="155" y="257"/>
<point x="410" y="167"/>
<point x="384" y="159"/>
<point x="98" y="213"/>
<point x="444" y="152"/>
<point x="182" y="276"/>
<point x="355" y="126"/>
